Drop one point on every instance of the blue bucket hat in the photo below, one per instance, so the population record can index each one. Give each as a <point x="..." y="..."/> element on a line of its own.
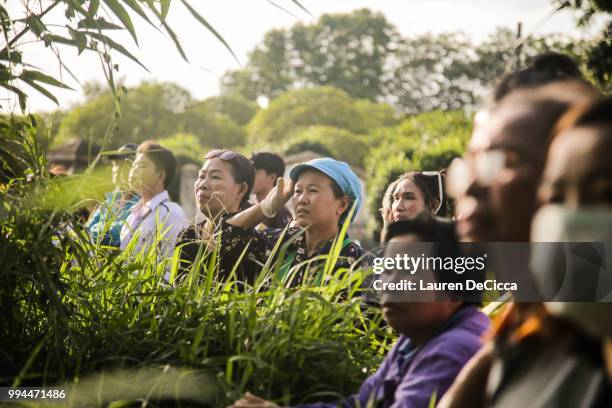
<point x="341" y="173"/>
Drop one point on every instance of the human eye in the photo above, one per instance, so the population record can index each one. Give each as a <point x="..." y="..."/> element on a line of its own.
<point x="512" y="158"/>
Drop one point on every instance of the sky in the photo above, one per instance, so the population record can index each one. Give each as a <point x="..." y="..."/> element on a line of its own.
<point x="243" y="24"/>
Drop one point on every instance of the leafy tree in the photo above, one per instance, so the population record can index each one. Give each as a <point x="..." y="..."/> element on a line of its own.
<point x="212" y="129"/>
<point x="449" y="72"/>
<point x="317" y="106"/>
<point x="149" y="111"/>
<point x="340" y="143"/>
<point x="153" y="111"/>
<point x="599" y="54"/>
<point x="302" y="145"/>
<point x="87" y="27"/>
<point x="432" y="72"/>
<point x="184" y="144"/>
<point x="428" y="141"/>
<point x="236" y="107"/>
<point x="347" y="51"/>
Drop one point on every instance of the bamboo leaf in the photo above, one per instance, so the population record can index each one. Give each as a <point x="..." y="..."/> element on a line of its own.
<point x="35" y="25"/>
<point x="165" y="7"/>
<point x="210" y="28"/>
<point x="98" y="24"/>
<point x="40" y="89"/>
<point x="138" y="10"/>
<point x="123" y="16"/>
<point x="12" y="56"/>
<point x="117" y="47"/>
<point x="296" y="2"/>
<point x="40" y="77"/>
<point x="20" y="94"/>
<point x="93" y="7"/>
<point x="79" y="37"/>
<point x="176" y="41"/>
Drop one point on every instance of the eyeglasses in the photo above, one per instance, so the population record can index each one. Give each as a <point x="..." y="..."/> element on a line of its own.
<point x="485" y="167"/>
<point x="223" y="154"/>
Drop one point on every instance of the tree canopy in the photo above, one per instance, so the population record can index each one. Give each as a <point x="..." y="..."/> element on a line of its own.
<point x="363" y="54"/>
<point x="316" y="106"/>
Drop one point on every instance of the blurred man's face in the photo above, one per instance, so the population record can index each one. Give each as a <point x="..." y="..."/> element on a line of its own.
<point x="504" y="161"/>
<point x="144" y="177"/>
<point x="579" y="170"/>
<point x="264" y="182"/>
<point x="120" y="172"/>
<point x="413" y="319"/>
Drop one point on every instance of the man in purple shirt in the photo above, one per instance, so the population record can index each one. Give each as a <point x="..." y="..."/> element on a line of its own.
<point x="437" y="338"/>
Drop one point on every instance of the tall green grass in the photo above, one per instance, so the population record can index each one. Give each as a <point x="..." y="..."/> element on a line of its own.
<point x="77" y="311"/>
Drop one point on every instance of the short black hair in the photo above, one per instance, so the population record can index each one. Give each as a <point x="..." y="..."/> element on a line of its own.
<point x="272" y="163"/>
<point x="125" y="152"/>
<point x="442" y="232"/>
<point x="162" y="158"/>
<point x="545" y="68"/>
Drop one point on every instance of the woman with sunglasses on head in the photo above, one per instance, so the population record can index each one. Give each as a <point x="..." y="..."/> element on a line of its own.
<point x="414" y="193"/>
<point x="323" y="192"/>
<point x="222" y="189"/>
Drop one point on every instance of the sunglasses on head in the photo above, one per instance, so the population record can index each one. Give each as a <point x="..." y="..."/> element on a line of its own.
<point x="222" y="154"/>
<point x="227" y="155"/>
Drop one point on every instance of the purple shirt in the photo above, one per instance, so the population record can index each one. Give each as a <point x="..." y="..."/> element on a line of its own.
<point x="408" y="376"/>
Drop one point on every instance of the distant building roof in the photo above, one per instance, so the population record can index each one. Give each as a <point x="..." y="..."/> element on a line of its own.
<point x="74" y="155"/>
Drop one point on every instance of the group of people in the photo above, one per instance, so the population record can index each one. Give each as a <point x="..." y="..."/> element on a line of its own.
<point x="537" y="168"/>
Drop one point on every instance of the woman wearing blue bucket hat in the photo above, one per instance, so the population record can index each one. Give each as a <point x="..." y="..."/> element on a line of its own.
<point x="324" y="192"/>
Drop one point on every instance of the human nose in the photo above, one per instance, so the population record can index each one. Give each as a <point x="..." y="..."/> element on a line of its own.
<point x="301" y="198"/>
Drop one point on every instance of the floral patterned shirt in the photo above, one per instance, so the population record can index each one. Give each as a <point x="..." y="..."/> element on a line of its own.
<point x="261" y="251"/>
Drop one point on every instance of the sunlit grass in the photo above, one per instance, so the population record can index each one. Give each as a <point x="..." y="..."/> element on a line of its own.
<point x="76" y="309"/>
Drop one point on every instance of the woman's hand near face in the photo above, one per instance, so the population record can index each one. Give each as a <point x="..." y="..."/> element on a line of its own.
<point x="273" y="202"/>
<point x="252" y="401"/>
<point x="280" y="194"/>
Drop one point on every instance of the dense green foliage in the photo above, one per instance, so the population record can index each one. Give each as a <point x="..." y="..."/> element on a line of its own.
<point x="326" y="106"/>
<point x="428" y="141"/>
<point x="74" y="308"/>
<point x="156" y="111"/>
<point x="363" y="54"/>
<point x="89" y="26"/>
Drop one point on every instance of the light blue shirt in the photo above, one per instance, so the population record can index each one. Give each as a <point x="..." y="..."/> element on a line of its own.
<point x="105" y="223"/>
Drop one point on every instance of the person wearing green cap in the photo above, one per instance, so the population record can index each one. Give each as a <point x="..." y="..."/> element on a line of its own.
<point x="324" y="192"/>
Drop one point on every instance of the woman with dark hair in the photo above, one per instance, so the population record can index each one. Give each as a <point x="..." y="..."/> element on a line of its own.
<point x="324" y="192"/>
<point x="222" y="189"/>
<point x="437" y="338"/>
<point x="413" y="193"/>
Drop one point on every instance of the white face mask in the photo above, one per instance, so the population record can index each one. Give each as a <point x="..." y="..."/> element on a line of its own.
<point x="556" y="223"/>
<point x="578" y="264"/>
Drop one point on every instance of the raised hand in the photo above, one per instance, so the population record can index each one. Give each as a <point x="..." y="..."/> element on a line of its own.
<point x="277" y="197"/>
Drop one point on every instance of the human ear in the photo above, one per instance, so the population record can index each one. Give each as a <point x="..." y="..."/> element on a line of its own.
<point x="434" y="204"/>
<point x="242" y="190"/>
<point x="344" y="203"/>
<point x="162" y="177"/>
